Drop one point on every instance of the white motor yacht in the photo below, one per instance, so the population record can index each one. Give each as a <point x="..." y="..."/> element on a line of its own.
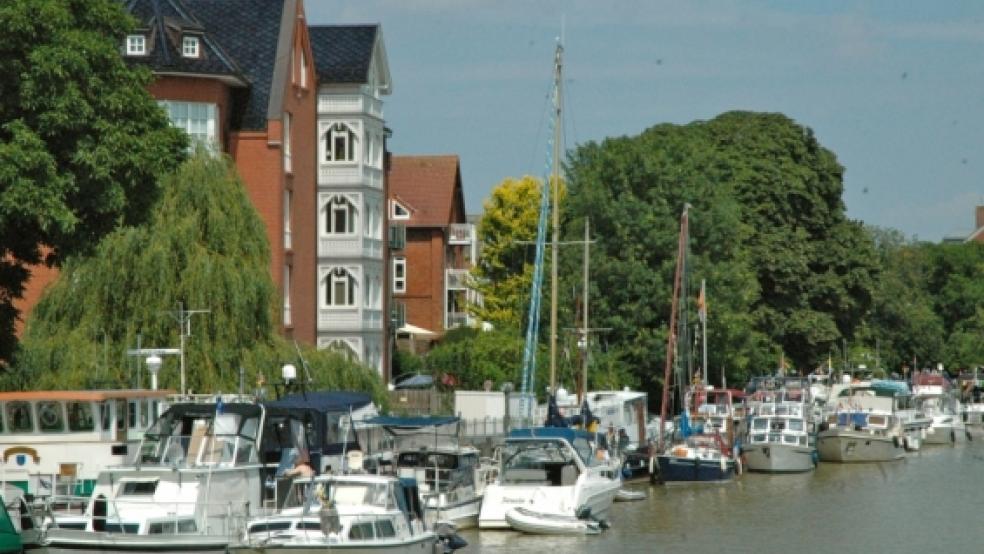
<point x="345" y="513"/>
<point x="550" y="472"/>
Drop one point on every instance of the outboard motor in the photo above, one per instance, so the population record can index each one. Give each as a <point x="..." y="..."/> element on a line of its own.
<point x="448" y="539"/>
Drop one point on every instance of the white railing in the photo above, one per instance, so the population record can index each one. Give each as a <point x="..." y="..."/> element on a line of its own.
<point x="333" y="104"/>
<point x="457" y="279"/>
<point x="333" y="247"/>
<point x="336" y="319"/>
<point x="350" y="174"/>
<point x="461" y="233"/>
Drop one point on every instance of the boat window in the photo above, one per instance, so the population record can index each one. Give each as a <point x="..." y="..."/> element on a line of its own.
<point x="760" y="423"/>
<point x="269" y="526"/>
<point x="1" y="418"/>
<point x="120" y="415"/>
<point x="358" y="494"/>
<point x="134" y="410"/>
<point x="124" y="528"/>
<point x="144" y="413"/>
<point x="361" y="531"/>
<point x="877" y="420"/>
<point x="795" y="424"/>
<point x="759" y="437"/>
<point x="409" y="459"/>
<point x="583" y="448"/>
<point x="384" y="529"/>
<point x="19" y="417"/>
<point x="309" y="526"/>
<point x="50" y="417"/>
<point x="138" y="488"/>
<point x="249" y="428"/>
<point x="171" y="527"/>
<point x="442" y="461"/>
<point x="80" y="416"/>
<point x="789" y="439"/>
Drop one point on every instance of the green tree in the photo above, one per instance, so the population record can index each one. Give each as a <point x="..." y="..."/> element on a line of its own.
<point x="82" y="143"/>
<point x="505" y="269"/>
<point x="476" y="356"/>
<point x="205" y="248"/>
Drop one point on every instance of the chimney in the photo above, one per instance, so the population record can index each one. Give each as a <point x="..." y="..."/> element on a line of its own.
<point x="980" y="217"/>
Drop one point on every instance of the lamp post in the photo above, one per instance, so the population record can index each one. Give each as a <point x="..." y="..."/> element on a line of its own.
<point x="154" y="363"/>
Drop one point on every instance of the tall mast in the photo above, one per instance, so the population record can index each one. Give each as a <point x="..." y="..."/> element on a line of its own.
<point x="671" y="340"/>
<point x="555" y="187"/>
<point x="587" y="345"/>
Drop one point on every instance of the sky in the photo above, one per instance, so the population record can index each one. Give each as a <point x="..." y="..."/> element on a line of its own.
<point x="894" y="88"/>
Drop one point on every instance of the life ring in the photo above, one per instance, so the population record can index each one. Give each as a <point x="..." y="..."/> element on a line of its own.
<point x="48" y="416"/>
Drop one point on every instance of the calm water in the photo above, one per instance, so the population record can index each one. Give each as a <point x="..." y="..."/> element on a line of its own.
<point x="933" y="501"/>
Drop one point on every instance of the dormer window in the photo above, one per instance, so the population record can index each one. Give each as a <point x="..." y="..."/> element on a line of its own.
<point x="189" y="47"/>
<point x="398" y="211"/>
<point x="136" y="45"/>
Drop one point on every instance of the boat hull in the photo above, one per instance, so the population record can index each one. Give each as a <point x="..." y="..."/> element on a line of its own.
<point x="944" y="434"/>
<point x="778" y="458"/>
<point x="416" y="545"/>
<point x="498" y="500"/>
<point x="528" y="521"/>
<point x="463" y="515"/>
<point x="674" y="469"/>
<point x="858" y="447"/>
<point x="71" y="541"/>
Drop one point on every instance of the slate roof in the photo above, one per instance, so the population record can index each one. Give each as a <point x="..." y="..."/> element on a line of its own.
<point x="342" y="53"/>
<point x="428" y="186"/>
<point x="239" y="40"/>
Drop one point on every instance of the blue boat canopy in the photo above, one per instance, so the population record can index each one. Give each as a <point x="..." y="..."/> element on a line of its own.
<point x="412" y="422"/>
<point x="565" y="433"/>
<point x="323" y="401"/>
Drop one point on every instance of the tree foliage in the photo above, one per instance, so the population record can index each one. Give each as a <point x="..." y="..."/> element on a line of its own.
<point x="205" y="248"/>
<point x="82" y="143"/>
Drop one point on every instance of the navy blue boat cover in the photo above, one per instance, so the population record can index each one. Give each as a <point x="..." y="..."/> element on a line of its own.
<point x="411" y="422"/>
<point x="323" y="401"/>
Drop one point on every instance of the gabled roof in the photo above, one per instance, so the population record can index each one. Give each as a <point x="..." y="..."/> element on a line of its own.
<point x="428" y="185"/>
<point x="239" y="44"/>
<point x="343" y="53"/>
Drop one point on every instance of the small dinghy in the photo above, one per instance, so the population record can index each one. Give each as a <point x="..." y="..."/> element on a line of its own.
<point x="626" y="495"/>
<point x="537" y="523"/>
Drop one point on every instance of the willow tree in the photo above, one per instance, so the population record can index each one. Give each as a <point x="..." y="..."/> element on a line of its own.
<point x="205" y="249"/>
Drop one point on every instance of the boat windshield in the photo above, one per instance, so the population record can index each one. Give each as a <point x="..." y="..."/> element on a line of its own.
<point x="196" y="437"/>
<point x="539" y="462"/>
<point x="305" y="492"/>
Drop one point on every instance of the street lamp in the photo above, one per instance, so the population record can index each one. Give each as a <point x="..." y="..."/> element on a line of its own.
<point x="154" y="363"/>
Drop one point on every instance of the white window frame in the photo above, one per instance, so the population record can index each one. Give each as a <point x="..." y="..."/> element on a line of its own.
<point x="187" y="124"/>
<point x="136" y="45"/>
<point x="288" y="166"/>
<point x="343" y="348"/>
<point x="343" y="134"/>
<point x="340" y="276"/>
<point x="399" y="283"/>
<point x="288" y="200"/>
<point x="303" y="69"/>
<point x="288" y="319"/>
<point x="394" y="206"/>
<point x="190" y="46"/>
<point x="339" y="204"/>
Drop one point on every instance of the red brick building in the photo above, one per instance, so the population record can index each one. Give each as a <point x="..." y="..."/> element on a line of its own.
<point x="430" y="273"/>
<point x="245" y="77"/>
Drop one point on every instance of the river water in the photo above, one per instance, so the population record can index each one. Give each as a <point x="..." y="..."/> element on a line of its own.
<point x="932" y="501"/>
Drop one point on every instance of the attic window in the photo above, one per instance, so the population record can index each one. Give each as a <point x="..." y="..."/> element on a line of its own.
<point x="136" y="45"/>
<point x="189" y="47"/>
<point x="398" y="211"/>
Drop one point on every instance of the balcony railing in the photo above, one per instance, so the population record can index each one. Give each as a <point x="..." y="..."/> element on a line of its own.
<point x="457" y="279"/>
<point x="350" y="319"/>
<point x="461" y="233"/>
<point x="350" y="103"/>
<point x="350" y="247"/>
<point x="350" y="174"/>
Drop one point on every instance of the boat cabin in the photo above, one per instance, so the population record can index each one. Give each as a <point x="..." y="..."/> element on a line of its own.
<point x="56" y="442"/>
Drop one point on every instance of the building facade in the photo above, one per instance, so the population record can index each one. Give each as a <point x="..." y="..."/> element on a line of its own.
<point x="430" y="272"/>
<point x="352" y="298"/>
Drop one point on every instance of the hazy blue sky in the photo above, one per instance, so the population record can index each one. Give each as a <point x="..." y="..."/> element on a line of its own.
<point x="894" y="88"/>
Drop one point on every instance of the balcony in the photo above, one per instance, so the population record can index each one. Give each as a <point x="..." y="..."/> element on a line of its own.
<point x="457" y="279"/>
<point x="349" y="174"/>
<point x="461" y="233"/>
<point x="459" y="319"/>
<point x="350" y="319"/>
<point x="350" y="247"/>
<point x="350" y="104"/>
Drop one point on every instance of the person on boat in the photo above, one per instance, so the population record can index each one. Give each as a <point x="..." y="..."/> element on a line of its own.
<point x="623" y="440"/>
<point x="302" y="466"/>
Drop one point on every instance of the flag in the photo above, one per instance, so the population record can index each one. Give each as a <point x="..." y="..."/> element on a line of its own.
<point x="702" y="303"/>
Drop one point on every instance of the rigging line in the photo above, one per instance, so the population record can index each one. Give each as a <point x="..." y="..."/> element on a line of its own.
<point x="535" y="152"/>
<point x="569" y="112"/>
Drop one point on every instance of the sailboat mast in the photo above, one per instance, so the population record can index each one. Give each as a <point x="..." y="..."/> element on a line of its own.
<point x="671" y="339"/>
<point x="555" y="187"/>
<point x="587" y="345"/>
